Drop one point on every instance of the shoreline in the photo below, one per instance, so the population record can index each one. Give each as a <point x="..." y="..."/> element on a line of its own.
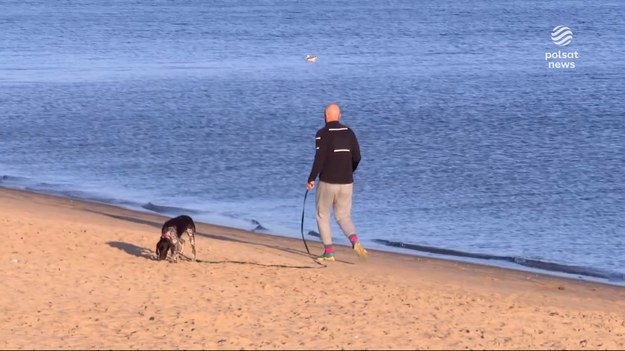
<point x="81" y="275"/>
<point x="507" y="263"/>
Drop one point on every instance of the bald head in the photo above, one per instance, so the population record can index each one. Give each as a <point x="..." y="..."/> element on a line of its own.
<point x="333" y="112"/>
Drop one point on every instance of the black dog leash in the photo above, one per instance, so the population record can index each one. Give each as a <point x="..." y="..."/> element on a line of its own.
<point x="302" y="227"/>
<point x="280" y="266"/>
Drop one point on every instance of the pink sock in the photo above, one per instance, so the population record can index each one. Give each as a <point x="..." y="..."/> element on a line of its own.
<point x="353" y="238"/>
<point x="329" y="249"/>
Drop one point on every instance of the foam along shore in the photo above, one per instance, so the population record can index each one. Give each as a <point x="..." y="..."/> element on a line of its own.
<point x="81" y="275"/>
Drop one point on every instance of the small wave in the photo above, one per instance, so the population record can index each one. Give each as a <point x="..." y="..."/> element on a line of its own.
<point x="58" y="190"/>
<point x="314" y="233"/>
<point x="28" y="184"/>
<point x="71" y="192"/>
<point x="12" y="179"/>
<point x="570" y="269"/>
<point x="441" y="251"/>
<point x="24" y="183"/>
<point x="531" y="263"/>
<point x="170" y="210"/>
<point x="259" y="227"/>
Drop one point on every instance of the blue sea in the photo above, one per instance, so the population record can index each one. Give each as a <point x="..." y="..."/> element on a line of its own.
<point x="484" y="137"/>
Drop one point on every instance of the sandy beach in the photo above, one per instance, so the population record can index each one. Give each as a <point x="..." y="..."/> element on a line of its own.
<point x="81" y="275"/>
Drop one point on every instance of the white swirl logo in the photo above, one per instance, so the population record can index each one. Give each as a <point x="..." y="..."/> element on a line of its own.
<point x="562" y="35"/>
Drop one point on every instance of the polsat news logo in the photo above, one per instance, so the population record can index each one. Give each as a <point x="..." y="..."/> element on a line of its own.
<point x="561" y="36"/>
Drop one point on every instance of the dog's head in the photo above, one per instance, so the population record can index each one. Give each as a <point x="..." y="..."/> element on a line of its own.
<point x="162" y="247"/>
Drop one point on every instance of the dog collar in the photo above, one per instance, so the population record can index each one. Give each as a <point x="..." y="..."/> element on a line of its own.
<point x="166" y="235"/>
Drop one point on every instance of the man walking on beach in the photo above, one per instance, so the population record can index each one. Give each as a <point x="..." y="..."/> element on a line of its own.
<point x="336" y="159"/>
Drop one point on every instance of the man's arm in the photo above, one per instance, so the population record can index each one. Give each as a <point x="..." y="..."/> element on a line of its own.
<point x="320" y="156"/>
<point x="355" y="152"/>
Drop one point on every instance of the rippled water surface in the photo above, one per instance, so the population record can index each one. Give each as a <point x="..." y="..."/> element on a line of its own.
<point x="470" y="141"/>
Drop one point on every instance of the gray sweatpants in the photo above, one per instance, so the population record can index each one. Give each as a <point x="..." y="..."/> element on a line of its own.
<point x="338" y="196"/>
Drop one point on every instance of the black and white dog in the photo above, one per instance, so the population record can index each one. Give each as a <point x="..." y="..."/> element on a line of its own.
<point x="171" y="238"/>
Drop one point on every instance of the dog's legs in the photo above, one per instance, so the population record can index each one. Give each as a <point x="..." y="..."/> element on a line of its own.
<point x="175" y="249"/>
<point x="181" y="240"/>
<point x="191" y="234"/>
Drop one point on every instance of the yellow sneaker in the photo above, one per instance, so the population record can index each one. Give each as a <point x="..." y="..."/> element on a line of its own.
<point x="360" y="251"/>
<point x="327" y="257"/>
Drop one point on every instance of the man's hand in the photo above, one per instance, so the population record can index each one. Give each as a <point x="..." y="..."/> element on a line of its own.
<point x="310" y="185"/>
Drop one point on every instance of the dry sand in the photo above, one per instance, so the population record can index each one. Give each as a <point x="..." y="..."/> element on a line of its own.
<point x="81" y="275"/>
